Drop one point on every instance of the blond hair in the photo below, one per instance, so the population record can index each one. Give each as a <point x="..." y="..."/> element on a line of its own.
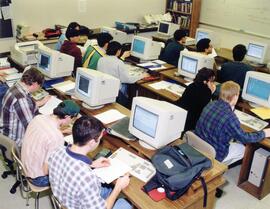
<point x="228" y="90"/>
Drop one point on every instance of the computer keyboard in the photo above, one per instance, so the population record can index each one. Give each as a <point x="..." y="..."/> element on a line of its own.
<point x="176" y="89"/>
<point x="250" y="121"/>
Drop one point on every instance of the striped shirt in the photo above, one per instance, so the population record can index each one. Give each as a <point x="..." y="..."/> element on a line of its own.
<point x="17" y="111"/>
<point x="218" y="125"/>
<point x="73" y="182"/>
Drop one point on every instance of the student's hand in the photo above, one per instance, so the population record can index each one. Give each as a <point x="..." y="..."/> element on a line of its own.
<point x="211" y="86"/>
<point x="43" y="101"/>
<point x="100" y="162"/>
<point x="125" y="55"/>
<point x="267" y="132"/>
<point x="122" y="182"/>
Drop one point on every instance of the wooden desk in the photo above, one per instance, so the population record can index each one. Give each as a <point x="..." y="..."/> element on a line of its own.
<point x="170" y="74"/>
<point x="41" y="37"/>
<point x="191" y="200"/>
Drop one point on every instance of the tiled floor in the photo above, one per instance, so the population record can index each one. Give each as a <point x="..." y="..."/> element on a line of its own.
<point x="233" y="197"/>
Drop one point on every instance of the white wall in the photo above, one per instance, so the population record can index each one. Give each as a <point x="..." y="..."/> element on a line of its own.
<point x="40" y="14"/>
<point x="228" y="38"/>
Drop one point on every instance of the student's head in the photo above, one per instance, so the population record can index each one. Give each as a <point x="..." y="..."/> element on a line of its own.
<point x="33" y="79"/>
<point x="114" y="48"/>
<point x="73" y="25"/>
<point x="239" y="52"/>
<point x="73" y="35"/>
<point x="180" y="36"/>
<point x="103" y="40"/>
<point x="204" y="46"/>
<point x="85" y="31"/>
<point x="204" y="75"/>
<point x="229" y="92"/>
<point x="66" y="110"/>
<point x="87" y="130"/>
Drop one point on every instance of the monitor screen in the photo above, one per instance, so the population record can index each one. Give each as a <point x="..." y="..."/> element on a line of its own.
<point x="84" y="85"/>
<point x="145" y="121"/>
<point x="258" y="88"/>
<point x="44" y="61"/>
<point x="201" y="35"/>
<point x="255" y="50"/>
<point x="189" y="64"/>
<point x="163" y="28"/>
<point x="138" y="46"/>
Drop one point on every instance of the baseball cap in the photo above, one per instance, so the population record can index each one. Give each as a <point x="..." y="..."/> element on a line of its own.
<point x="69" y="107"/>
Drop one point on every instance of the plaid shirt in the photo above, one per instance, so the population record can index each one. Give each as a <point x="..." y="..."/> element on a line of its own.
<point x="17" y="111"/>
<point x="73" y="181"/>
<point x="218" y="125"/>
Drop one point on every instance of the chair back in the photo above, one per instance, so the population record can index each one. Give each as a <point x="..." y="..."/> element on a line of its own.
<point x="56" y="203"/>
<point x="6" y="145"/>
<point x="199" y="144"/>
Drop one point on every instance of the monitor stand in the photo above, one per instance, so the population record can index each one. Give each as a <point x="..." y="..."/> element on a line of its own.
<point x="145" y="145"/>
<point x="254" y="105"/>
<point x="91" y="107"/>
<point x="255" y="64"/>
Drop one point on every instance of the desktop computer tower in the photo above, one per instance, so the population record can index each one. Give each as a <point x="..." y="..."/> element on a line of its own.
<point x="258" y="165"/>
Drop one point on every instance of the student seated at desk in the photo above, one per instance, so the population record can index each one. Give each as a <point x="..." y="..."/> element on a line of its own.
<point x="171" y="52"/>
<point x="218" y="125"/>
<point x="72" y="179"/>
<point x="204" y="46"/>
<point x="196" y="96"/>
<point x="42" y="137"/>
<point x="62" y="38"/>
<point x="70" y="47"/>
<point x="18" y="106"/>
<point x="236" y="70"/>
<point x="114" y="66"/>
<point x="94" y="53"/>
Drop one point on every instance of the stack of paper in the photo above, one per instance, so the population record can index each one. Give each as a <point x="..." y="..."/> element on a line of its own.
<point x="262" y="112"/>
<point x="4" y="63"/>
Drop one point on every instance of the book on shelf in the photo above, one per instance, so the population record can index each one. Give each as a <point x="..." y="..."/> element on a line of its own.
<point x="120" y="129"/>
<point x="185" y="7"/>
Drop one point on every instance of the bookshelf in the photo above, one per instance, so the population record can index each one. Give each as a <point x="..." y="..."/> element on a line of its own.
<point x="186" y="13"/>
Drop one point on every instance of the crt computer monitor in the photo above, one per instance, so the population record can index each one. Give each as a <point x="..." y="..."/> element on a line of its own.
<point x="256" y="52"/>
<point x="54" y="64"/>
<point x="191" y="62"/>
<point x="144" y="48"/>
<point x="95" y="88"/>
<point x="167" y="28"/>
<point x="257" y="88"/>
<point x="205" y="33"/>
<point x="117" y="35"/>
<point x="156" y="123"/>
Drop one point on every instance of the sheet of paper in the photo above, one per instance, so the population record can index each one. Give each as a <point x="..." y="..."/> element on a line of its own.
<point x="69" y="139"/>
<point x="262" y="112"/>
<point x="160" y="85"/>
<point x="6" y="12"/>
<point x="47" y="109"/>
<point x="64" y="86"/>
<point x="112" y="172"/>
<point x="157" y="68"/>
<point x="110" y="116"/>
<point x="145" y="64"/>
<point x="159" y="62"/>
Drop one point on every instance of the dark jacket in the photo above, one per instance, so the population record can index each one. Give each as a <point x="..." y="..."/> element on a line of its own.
<point x="194" y="99"/>
<point x="171" y="52"/>
<point x="71" y="49"/>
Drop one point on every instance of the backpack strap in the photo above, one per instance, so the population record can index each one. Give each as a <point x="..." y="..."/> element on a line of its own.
<point x="204" y="186"/>
<point x="95" y="49"/>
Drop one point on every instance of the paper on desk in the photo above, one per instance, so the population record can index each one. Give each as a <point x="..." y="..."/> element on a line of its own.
<point x="116" y="169"/>
<point x="159" y="62"/>
<point x="262" y="112"/>
<point x="64" y="86"/>
<point x="160" y="85"/>
<point x="145" y="64"/>
<point x="69" y="139"/>
<point x="6" y="12"/>
<point x="47" y="109"/>
<point x="110" y="116"/>
<point x="157" y="68"/>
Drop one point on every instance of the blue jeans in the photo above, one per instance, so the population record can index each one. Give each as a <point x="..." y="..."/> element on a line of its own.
<point x="41" y="181"/>
<point x="120" y="203"/>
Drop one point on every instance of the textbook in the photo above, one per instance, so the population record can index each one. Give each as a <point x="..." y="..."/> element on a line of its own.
<point x="122" y="162"/>
<point x="120" y="129"/>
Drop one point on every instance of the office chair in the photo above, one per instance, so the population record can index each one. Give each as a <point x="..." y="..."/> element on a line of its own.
<point x="56" y="203"/>
<point x="26" y="185"/>
<point x="201" y="145"/>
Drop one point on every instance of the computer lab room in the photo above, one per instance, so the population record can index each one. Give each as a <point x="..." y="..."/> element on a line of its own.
<point x="135" y="104"/>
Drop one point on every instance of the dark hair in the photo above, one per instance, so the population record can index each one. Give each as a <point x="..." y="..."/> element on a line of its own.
<point x="203" y="44"/>
<point x="179" y="34"/>
<point x="239" y="52"/>
<point x="85" y="129"/>
<point x="31" y="76"/>
<point x="104" y="38"/>
<point x="204" y="74"/>
<point x="113" y="47"/>
<point x="73" y="25"/>
<point x="85" y="31"/>
<point x="72" y="33"/>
